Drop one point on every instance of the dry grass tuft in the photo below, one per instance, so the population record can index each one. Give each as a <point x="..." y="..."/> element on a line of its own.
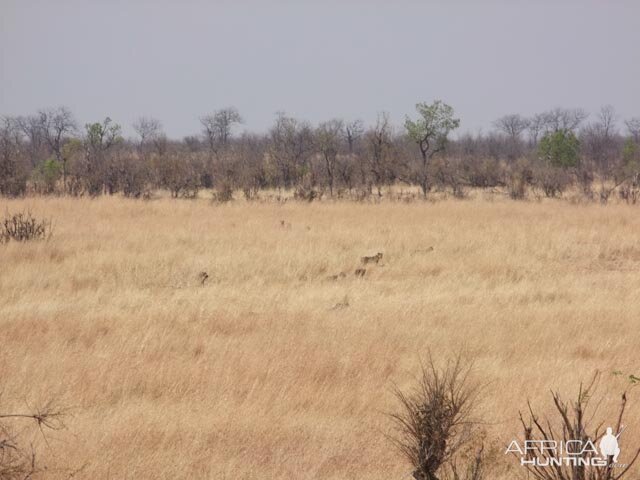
<point x="23" y="227"/>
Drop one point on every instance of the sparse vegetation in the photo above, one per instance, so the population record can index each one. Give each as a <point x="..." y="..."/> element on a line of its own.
<point x="337" y="159"/>
<point x="574" y="422"/>
<point x="268" y="353"/>
<point x="224" y="193"/>
<point x="23" y="227"/>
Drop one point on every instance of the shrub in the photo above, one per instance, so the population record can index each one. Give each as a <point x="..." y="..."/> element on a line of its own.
<point x="560" y="149"/>
<point x="224" y="192"/>
<point x="47" y="175"/>
<point x="552" y="180"/>
<point x="435" y="426"/>
<point x="585" y="177"/>
<point x="179" y="175"/>
<point x="630" y="190"/>
<point x="518" y="179"/>
<point x="13" y="177"/>
<point x="306" y="193"/>
<point x="134" y="176"/>
<point x="250" y="193"/>
<point x="572" y="422"/>
<point x="483" y="173"/>
<point x="13" y="167"/>
<point x="18" y="454"/>
<point x="630" y="152"/>
<point x="448" y="173"/>
<point x="23" y="227"/>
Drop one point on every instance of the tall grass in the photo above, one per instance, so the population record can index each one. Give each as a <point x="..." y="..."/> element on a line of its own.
<point x="254" y="374"/>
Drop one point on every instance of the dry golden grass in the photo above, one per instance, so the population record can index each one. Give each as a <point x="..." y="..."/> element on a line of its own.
<point x="254" y="375"/>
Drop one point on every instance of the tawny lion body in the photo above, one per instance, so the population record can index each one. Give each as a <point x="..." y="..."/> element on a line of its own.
<point x="373" y="259"/>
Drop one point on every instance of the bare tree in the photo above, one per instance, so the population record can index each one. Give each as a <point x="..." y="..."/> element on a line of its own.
<point x="152" y="137"/>
<point x="217" y="128"/>
<point x="353" y="133"/>
<point x="567" y="119"/>
<point x="607" y="119"/>
<point x="379" y="144"/>
<point x="13" y="171"/>
<point x="536" y="126"/>
<point x="31" y="127"/>
<point x="512" y="125"/>
<point x="328" y="136"/>
<point x="148" y="129"/>
<point x="633" y="127"/>
<point x="290" y="143"/>
<point x="599" y="144"/>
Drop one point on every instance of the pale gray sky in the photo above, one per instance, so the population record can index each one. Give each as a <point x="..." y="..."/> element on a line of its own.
<point x="316" y="60"/>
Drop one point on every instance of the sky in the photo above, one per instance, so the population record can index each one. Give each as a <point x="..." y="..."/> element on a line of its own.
<point x="177" y="61"/>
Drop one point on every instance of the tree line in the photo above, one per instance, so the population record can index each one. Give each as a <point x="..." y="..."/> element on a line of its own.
<point x="49" y="153"/>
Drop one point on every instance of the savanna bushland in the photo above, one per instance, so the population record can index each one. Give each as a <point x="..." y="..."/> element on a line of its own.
<point x="228" y="335"/>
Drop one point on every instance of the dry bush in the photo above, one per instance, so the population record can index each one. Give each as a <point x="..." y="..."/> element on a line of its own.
<point x="553" y="181"/>
<point x="24" y="227"/>
<point x="306" y="193"/>
<point x="483" y="172"/>
<point x="13" y="164"/>
<point x="573" y="422"/>
<point x="224" y="192"/>
<point x="250" y="193"/>
<point x="520" y="176"/>
<point x="179" y="174"/>
<point x="435" y="426"/>
<point x="630" y="190"/>
<point x="18" y="461"/>
<point x="134" y="176"/>
<point x="449" y="173"/>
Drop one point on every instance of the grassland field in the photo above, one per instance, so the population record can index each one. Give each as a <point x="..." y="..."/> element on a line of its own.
<point x="270" y="369"/>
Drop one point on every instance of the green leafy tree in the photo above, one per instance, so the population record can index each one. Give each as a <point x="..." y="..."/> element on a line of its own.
<point x="560" y="149"/>
<point x="73" y="174"/>
<point x="100" y="137"/>
<point x="630" y="152"/>
<point x="56" y="126"/>
<point x="430" y="132"/>
<point x="49" y="172"/>
<point x="630" y="190"/>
